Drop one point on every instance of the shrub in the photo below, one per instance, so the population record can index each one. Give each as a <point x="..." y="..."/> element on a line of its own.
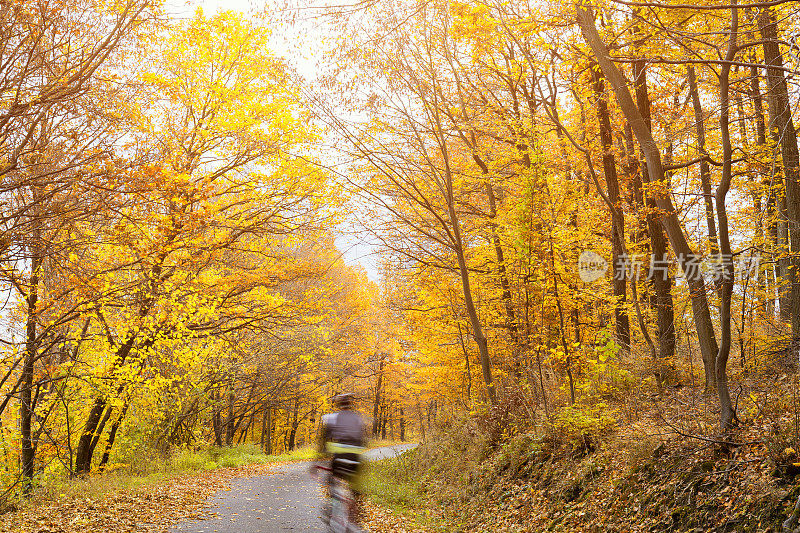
<point x="509" y="417"/>
<point x="580" y="425"/>
<point x="191" y="460"/>
<point x="603" y="375"/>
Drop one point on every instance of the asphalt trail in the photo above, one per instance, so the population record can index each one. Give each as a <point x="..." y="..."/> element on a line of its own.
<point x="287" y="499"/>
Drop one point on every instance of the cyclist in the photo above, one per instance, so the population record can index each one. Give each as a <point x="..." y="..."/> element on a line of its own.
<point x="343" y="436"/>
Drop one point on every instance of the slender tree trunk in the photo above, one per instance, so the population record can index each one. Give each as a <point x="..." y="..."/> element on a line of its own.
<point x="766" y="182"/>
<point x="230" y="419"/>
<point x="772" y="272"/>
<point x="513" y="327"/>
<point x="99" y="431"/>
<point x="27" y="408"/>
<point x="295" y="423"/>
<point x="421" y="419"/>
<point x="564" y="345"/>
<point x="757" y="284"/>
<point x="268" y="448"/>
<point x="243" y="434"/>
<point x="705" y="170"/>
<point x="458" y="248"/>
<point x="263" y="426"/>
<point x="112" y="435"/>
<point x="727" y="413"/>
<point x="467" y="366"/>
<point x="84" y="451"/>
<point x="377" y="403"/>
<point x="505" y="286"/>
<point x="659" y="271"/>
<point x="472" y="312"/>
<point x="687" y="258"/>
<point x="623" y="328"/>
<point x="781" y="120"/>
<point x="83" y="454"/>
<point x="782" y="266"/>
<point x="216" y="421"/>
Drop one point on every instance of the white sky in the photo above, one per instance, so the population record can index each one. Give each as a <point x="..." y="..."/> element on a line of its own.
<point x="300" y="47"/>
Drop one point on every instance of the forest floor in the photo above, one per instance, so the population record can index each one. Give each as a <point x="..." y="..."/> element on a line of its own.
<point x="663" y="469"/>
<point x="148" y="508"/>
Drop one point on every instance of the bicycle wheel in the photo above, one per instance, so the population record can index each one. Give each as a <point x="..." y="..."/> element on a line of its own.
<point x="339" y="521"/>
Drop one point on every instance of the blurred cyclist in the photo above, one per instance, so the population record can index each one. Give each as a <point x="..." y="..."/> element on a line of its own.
<point x="343" y="437"/>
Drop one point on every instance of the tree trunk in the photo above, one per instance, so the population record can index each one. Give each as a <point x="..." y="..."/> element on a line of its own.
<point x="421" y="419"/>
<point x="623" y="328"/>
<point x="243" y="433"/>
<point x="295" y="423"/>
<point x="766" y="182"/>
<point x="688" y="260"/>
<point x="508" y="303"/>
<point x="99" y="432"/>
<point x="472" y="312"/>
<point x="230" y="418"/>
<point x="27" y="408"/>
<point x="377" y="404"/>
<point x="266" y="430"/>
<point x="216" y="421"/>
<point x="85" y="450"/>
<point x="705" y="170"/>
<point x="782" y="270"/>
<point x="781" y="120"/>
<point x="727" y="413"/>
<point x="666" y="371"/>
<point x="112" y="435"/>
<point x="564" y="345"/>
<point x="458" y="248"/>
<point x="467" y="366"/>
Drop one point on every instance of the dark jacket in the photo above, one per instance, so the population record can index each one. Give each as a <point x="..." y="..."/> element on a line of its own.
<point x="344" y="436"/>
<point x="344" y="427"/>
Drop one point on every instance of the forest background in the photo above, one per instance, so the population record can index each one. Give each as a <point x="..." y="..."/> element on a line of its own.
<point x="587" y="216"/>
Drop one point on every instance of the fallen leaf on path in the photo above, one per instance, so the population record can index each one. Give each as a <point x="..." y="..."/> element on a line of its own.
<point x="151" y="509"/>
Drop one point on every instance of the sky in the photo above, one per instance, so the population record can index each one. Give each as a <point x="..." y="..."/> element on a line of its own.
<point x="298" y="48"/>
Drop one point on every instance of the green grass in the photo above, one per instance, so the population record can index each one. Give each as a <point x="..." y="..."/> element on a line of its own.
<point x="146" y="468"/>
<point x="386" y="487"/>
<point x="396" y="484"/>
<point x="380" y="443"/>
<point x="429" y="484"/>
<point x="151" y="469"/>
<point x="231" y="457"/>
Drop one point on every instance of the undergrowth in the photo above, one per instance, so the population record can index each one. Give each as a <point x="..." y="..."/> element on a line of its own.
<point x="584" y="472"/>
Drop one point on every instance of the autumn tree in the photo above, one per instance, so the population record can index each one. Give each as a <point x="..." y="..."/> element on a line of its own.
<point x="54" y="159"/>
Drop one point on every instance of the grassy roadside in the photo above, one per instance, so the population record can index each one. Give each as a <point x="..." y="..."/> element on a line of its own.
<point x="152" y="470"/>
<point x="386" y="488"/>
<point x="378" y="443"/>
<point x="150" y="495"/>
<point x="153" y="494"/>
<point x="396" y="497"/>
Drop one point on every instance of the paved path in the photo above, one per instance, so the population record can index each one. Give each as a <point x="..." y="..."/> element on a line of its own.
<point x="288" y="499"/>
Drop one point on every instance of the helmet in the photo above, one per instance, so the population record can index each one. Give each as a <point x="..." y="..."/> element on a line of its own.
<point x="344" y="400"/>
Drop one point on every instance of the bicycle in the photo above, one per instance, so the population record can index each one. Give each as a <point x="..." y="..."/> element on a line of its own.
<point x="340" y="512"/>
